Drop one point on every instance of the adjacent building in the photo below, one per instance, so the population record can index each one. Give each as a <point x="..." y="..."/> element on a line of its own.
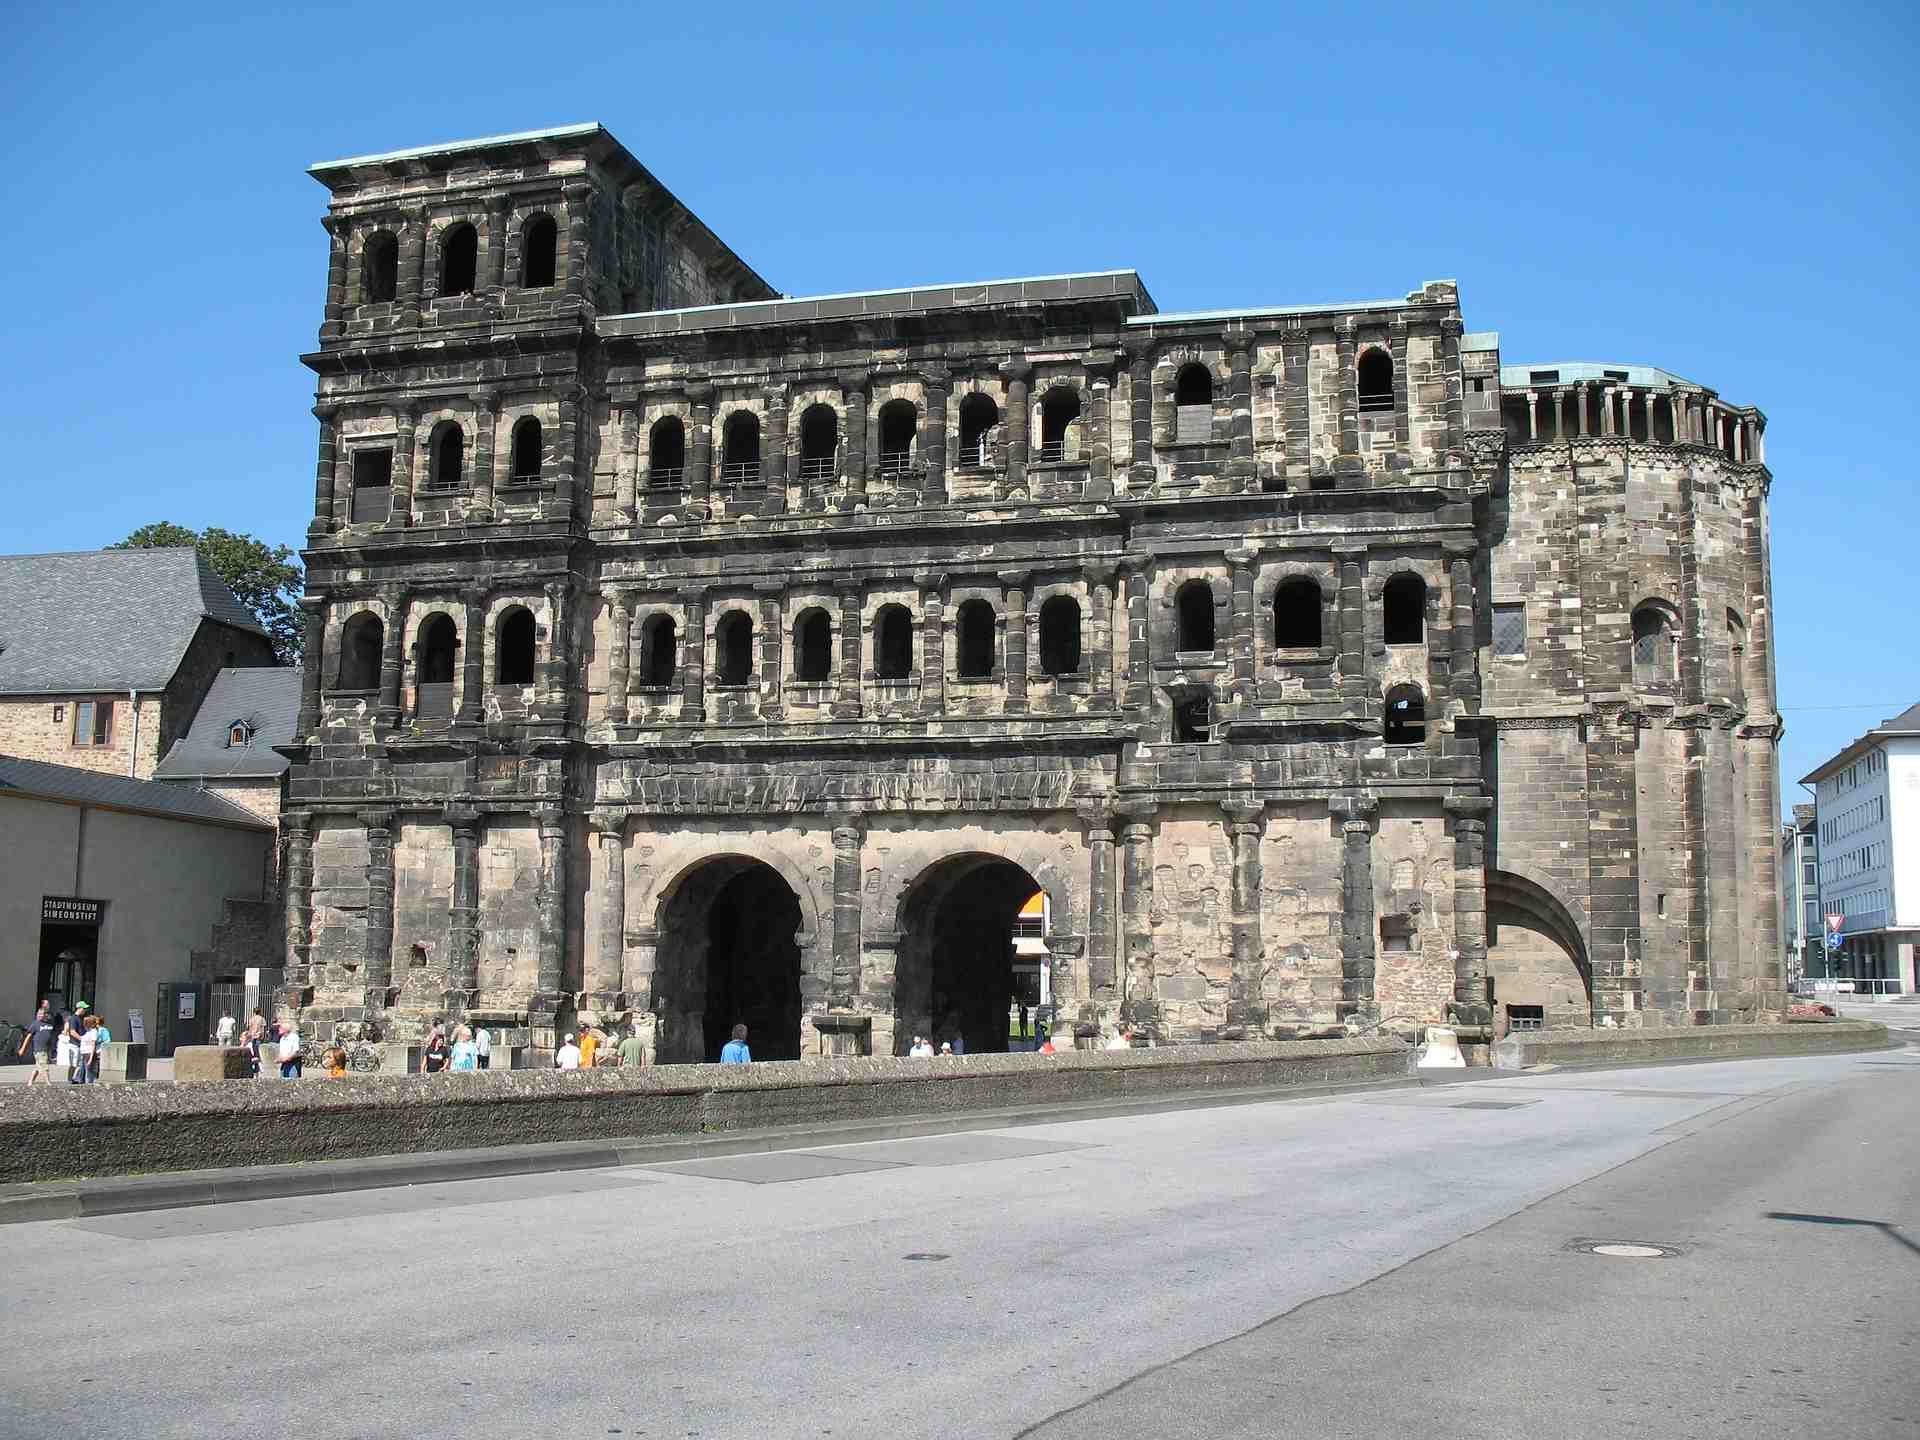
<point x="105" y="655"/>
<point x="1802" y="923"/>
<point x="1867" y="806"/>
<point x="682" y="651"/>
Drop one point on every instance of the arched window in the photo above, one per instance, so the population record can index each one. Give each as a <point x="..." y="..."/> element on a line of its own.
<point x="1058" y="411"/>
<point x="1060" y="635"/>
<point x="513" y="647"/>
<point x="361" y="641"/>
<point x="740" y="448"/>
<point x="1376" y="380"/>
<point x="1193" y="606"/>
<point x="899" y="422"/>
<point x="819" y="440"/>
<point x="659" y="651"/>
<point x="892" y="643"/>
<point x="974" y="640"/>
<point x="380" y="268"/>
<point x="1406" y="722"/>
<point x="1737" y="653"/>
<point x="1404" y="606"/>
<point x="733" y="648"/>
<point x="538" y="245"/>
<point x="667" y="451"/>
<point x="813" y="646"/>
<point x="1654" y="653"/>
<point x="459" y="260"/>
<point x="1296" y="615"/>
<point x="1193" y="405"/>
<point x="528" y="450"/>
<point x="447" y="451"/>
<point x="978" y="416"/>
<point x="433" y="693"/>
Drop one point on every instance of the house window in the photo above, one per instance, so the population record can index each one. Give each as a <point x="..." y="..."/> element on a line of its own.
<point x="380" y="268"/>
<point x="537" y="252"/>
<point x="59" y="714"/>
<point x="527" y="452"/>
<point x="1194" y="606"/>
<point x="372" y="486"/>
<point x="667" y="452"/>
<point x="975" y="640"/>
<point x="513" y="644"/>
<point x="1406" y="716"/>
<point x="659" y="643"/>
<point x="813" y="647"/>
<point x="361" y="642"/>
<point x="733" y="642"/>
<point x="448" y="453"/>
<point x="433" y="698"/>
<point x="239" y="735"/>
<point x="1058" y="412"/>
<point x="892" y="643"/>
<point x="740" y="449"/>
<point x="93" y="722"/>
<point x="898" y="423"/>
<point x="819" y="440"/>
<point x="1526" y="1017"/>
<point x="1510" y="631"/>
<point x="1405" y="609"/>
<point x="1060" y="635"/>
<point x="1654" y="655"/>
<point x="1376" y="381"/>
<point x="459" y="261"/>
<point x="1193" y="405"/>
<point x="978" y="416"/>
<point x="1296" y="615"/>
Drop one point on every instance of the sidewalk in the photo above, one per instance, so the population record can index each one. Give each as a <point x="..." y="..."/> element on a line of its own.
<point x="19" y="1073"/>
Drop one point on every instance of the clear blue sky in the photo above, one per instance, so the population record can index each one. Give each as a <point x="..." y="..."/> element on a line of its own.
<point x="1725" y="191"/>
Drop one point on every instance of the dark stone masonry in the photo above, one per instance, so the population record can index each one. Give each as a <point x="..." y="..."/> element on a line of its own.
<point x="681" y="652"/>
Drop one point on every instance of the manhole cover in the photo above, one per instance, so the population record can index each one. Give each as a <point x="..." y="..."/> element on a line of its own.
<point x="926" y="1255"/>
<point x="1624" y="1249"/>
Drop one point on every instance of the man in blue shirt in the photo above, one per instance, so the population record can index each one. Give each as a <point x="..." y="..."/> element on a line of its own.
<point x="735" y="1051"/>
<point x="39" y="1039"/>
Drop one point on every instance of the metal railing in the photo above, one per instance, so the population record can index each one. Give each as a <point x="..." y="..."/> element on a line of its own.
<point x="977" y="457"/>
<point x="740" y="472"/>
<point x="662" y="477"/>
<point x="896" y="464"/>
<point x="1375" y="402"/>
<point x="815" y="471"/>
<point x="1051" y="452"/>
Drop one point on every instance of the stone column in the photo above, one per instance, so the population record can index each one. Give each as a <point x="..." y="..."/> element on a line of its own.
<point x="1139" y="693"/>
<point x="933" y="444"/>
<point x="413" y="245"/>
<point x="1139" y="1006"/>
<point x="1100" y="426"/>
<point x="1246" y="1006"/>
<point x="846" y="704"/>
<point x="313" y="611"/>
<point x="619" y="647"/>
<point x="772" y="687"/>
<point x="396" y="605"/>
<point x="700" y="452"/>
<point x="552" y="900"/>
<point x="848" y="832"/>
<point x="604" y="956"/>
<point x="1353" y="622"/>
<point x="400" y="515"/>
<point x="1471" y="986"/>
<point x="853" y="387"/>
<point x="1242" y="627"/>
<point x="1140" y="469"/>
<point x="1240" y="395"/>
<point x="378" y="967"/>
<point x="297" y="826"/>
<point x="473" y="652"/>
<point x="693" y="660"/>
<point x="1352" y="473"/>
<point x="553" y="670"/>
<point x="1100" y="654"/>
<point x="463" y="918"/>
<point x="1355" y="815"/>
<point x="579" y="202"/>
<point x="1102" y="929"/>
<point x="1018" y="375"/>
<point x="1014" y="589"/>
<point x="338" y="229"/>
<point x="325" y="472"/>
<point x="1466" y="655"/>
<point x="1450" y="330"/>
<point x="776" y="464"/>
<point x="499" y="211"/>
<point x="1609" y="415"/>
<point x="933" y="642"/>
<point x="626" y="470"/>
<point x="1296" y="354"/>
<point x="486" y="421"/>
<point x="566" y="451"/>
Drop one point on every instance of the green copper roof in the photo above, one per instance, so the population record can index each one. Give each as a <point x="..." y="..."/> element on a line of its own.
<point x="1576" y="372"/>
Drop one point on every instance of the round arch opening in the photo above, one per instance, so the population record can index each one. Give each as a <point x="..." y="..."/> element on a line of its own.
<point x="972" y="956"/>
<point x="729" y="954"/>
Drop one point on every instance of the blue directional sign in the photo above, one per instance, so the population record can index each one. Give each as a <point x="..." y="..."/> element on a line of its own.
<point x="1834" y="941"/>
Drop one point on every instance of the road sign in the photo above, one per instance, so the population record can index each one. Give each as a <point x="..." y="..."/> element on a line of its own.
<point x="1836" y="923"/>
<point x="1834" y="942"/>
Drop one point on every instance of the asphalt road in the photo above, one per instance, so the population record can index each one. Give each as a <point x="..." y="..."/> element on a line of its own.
<point x="1393" y="1263"/>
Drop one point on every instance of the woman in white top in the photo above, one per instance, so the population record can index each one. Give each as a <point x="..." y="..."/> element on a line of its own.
<point x="89" y="1047"/>
<point x="922" y="1048"/>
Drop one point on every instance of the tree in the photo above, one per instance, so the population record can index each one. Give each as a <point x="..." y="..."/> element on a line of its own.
<point x="266" y="579"/>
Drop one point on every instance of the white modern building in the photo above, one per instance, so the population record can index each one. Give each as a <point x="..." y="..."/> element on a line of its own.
<point x="1867" y="815"/>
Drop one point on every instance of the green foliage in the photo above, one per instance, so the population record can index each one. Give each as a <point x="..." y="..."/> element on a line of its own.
<point x="266" y="579"/>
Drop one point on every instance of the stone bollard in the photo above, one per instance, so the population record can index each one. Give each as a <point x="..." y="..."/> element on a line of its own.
<point x="122" y="1063"/>
<point x="1442" y="1050"/>
<point x="212" y="1062"/>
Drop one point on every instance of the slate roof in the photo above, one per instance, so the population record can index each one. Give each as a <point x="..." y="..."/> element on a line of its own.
<point x="105" y="619"/>
<point x="266" y="699"/>
<point x="64" y="784"/>
<point x="1907" y="722"/>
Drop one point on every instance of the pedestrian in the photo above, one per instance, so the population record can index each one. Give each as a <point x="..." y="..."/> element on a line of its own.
<point x="1122" y="1039"/>
<point x="946" y="1047"/>
<point x="567" y="1057"/>
<point x="335" y="1060"/>
<point x="39" y="1039"/>
<point x="63" y="1047"/>
<point x="257" y="1026"/>
<point x="735" y="1051"/>
<point x="922" y="1048"/>
<point x="465" y="1056"/>
<point x="89" y="1051"/>
<point x="589" y="1044"/>
<point x="104" y="1039"/>
<point x="223" y="1032"/>
<point x="290" y="1068"/>
<point x="433" y="1056"/>
<point x="633" y="1053"/>
<point x="250" y="1043"/>
<point x="76" y="1027"/>
<point x="482" y="1047"/>
<point x="1046" y="1044"/>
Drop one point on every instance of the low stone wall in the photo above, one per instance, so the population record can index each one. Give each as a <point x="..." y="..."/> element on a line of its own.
<point x="61" y="1132"/>
<point x="1705" y="1042"/>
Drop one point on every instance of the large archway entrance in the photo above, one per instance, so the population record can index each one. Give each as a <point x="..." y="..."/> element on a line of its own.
<point x="1541" y="975"/>
<point x="728" y="955"/>
<point x="959" y="971"/>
